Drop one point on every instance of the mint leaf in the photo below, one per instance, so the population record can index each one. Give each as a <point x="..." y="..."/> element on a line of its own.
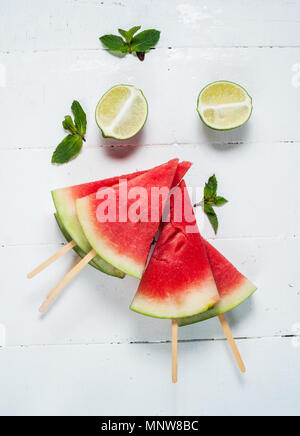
<point x="133" y="30"/>
<point x="145" y="40"/>
<point x="139" y="43"/>
<point x="67" y="149"/>
<point x="210" y="199"/>
<point x="128" y="35"/>
<point x="211" y="215"/>
<point x="71" y="145"/>
<point x="219" y="201"/>
<point x="69" y="125"/>
<point x="79" y="118"/>
<point x="114" y="43"/>
<point x="210" y="188"/>
<point x="125" y="35"/>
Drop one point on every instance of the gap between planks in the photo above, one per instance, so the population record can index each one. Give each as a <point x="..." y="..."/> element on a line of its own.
<point x="161" y="342"/>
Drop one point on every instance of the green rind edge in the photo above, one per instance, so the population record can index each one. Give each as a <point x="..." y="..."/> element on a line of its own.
<point x="101" y="263"/>
<point x="170" y="317"/>
<point x="68" y="238"/>
<point x="102" y="254"/>
<point x="214" y="311"/>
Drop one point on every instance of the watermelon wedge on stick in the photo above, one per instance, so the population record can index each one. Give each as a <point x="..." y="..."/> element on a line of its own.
<point x="178" y="281"/>
<point x="151" y="292"/>
<point x="125" y="240"/>
<point x="65" y="202"/>
<point x="233" y="287"/>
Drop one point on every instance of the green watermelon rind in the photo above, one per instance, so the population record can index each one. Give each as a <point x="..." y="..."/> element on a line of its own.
<point x="123" y="263"/>
<point x="68" y="238"/>
<point x="66" y="212"/>
<point x="237" y="297"/>
<point x="162" y="315"/>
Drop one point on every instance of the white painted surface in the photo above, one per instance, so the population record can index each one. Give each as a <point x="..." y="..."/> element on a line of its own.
<point x="49" y="55"/>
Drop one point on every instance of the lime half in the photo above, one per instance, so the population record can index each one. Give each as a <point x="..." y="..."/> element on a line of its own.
<point x="224" y="105"/>
<point x="122" y="112"/>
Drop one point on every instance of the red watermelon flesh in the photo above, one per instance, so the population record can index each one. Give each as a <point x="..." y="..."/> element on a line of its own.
<point x="126" y="244"/>
<point x="233" y="287"/>
<point x="178" y="281"/>
<point x="65" y="200"/>
<point x="84" y="189"/>
<point x="65" y="204"/>
<point x="79" y="191"/>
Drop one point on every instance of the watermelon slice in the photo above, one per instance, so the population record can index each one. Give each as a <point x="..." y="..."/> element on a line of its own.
<point x="126" y="244"/>
<point x="66" y="216"/>
<point x="178" y="281"/>
<point x="233" y="287"/>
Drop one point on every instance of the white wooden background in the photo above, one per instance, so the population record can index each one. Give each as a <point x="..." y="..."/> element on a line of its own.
<point x="90" y="354"/>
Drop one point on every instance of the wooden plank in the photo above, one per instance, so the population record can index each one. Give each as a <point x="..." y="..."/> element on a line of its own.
<point x="182" y="74"/>
<point x="73" y="24"/>
<point x="50" y="55"/>
<point x="94" y="308"/>
<point x="252" y="176"/>
<point x="48" y="379"/>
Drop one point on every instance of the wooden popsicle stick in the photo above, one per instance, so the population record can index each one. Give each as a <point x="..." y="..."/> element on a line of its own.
<point x="233" y="346"/>
<point x="74" y="264"/>
<point x="70" y="269"/>
<point x="174" y="350"/>
<point x="51" y="259"/>
<point x="66" y="279"/>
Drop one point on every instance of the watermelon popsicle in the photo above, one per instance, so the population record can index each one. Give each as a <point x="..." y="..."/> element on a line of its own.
<point x="233" y="288"/>
<point x="65" y="204"/>
<point x="156" y="289"/>
<point x="178" y="281"/>
<point x="125" y="243"/>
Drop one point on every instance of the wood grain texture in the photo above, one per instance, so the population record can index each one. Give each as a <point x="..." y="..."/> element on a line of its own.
<point x="95" y="307"/>
<point x="77" y="24"/>
<point x="49" y="56"/>
<point x="267" y="74"/>
<point x="102" y="386"/>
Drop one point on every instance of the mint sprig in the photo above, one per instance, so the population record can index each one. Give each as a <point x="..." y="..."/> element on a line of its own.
<point x="210" y="199"/>
<point x="71" y="145"/>
<point x="131" y="42"/>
